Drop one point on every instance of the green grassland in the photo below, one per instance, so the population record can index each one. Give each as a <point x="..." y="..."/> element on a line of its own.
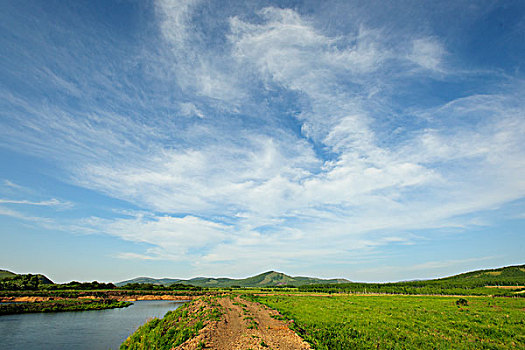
<point x="403" y="322"/>
<point x="458" y="312"/>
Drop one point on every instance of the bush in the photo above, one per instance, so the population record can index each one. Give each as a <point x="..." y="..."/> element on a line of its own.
<point x="461" y="302"/>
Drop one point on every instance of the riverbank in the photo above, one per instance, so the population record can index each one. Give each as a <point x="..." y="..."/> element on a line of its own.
<point x="61" y="305"/>
<point x="34" y="299"/>
<point x="220" y="322"/>
<point x="156" y="297"/>
<point x="30" y="302"/>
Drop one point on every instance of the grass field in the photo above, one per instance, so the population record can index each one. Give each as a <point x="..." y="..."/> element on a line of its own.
<point x="404" y="322"/>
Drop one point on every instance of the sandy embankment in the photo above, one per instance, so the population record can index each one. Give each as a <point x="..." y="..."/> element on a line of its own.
<point x="153" y="297"/>
<point x="26" y="299"/>
<point x="33" y="299"/>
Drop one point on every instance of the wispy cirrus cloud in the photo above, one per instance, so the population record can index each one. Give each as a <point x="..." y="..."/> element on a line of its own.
<point x="428" y="53"/>
<point x="273" y="136"/>
<point x="11" y="184"/>
<point x="50" y="202"/>
<point x="25" y="217"/>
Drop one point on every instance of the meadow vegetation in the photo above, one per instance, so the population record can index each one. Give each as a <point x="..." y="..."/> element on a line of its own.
<point x="476" y="310"/>
<point x="403" y="322"/>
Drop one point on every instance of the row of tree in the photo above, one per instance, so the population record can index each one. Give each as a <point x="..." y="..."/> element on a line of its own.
<point x="35" y="282"/>
<point x="21" y="282"/>
<point x="151" y="286"/>
<point x="439" y="287"/>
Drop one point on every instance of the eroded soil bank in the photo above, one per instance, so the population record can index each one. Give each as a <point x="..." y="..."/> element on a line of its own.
<point x="32" y="299"/>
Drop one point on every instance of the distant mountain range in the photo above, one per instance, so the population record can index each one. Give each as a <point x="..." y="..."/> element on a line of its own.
<point x="503" y="275"/>
<point x="7" y="274"/>
<point x="267" y="279"/>
<point x="509" y="275"/>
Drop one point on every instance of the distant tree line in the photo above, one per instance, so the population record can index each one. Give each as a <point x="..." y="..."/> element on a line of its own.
<point x="470" y="283"/>
<point x="437" y="287"/>
<point x="74" y="285"/>
<point x="160" y="287"/>
<point x="34" y="282"/>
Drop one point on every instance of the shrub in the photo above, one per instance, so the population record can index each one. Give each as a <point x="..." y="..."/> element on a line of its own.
<point x="461" y="302"/>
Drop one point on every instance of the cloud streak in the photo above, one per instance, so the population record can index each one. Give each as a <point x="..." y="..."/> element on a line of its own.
<point x="52" y="202"/>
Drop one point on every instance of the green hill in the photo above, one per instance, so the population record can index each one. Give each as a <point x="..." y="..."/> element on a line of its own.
<point x="13" y="281"/>
<point x="503" y="276"/>
<point x="469" y="283"/>
<point x="6" y="274"/>
<point x="44" y="280"/>
<point x="267" y="279"/>
<point x="272" y="278"/>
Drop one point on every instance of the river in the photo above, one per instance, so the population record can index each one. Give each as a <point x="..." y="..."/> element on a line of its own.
<point x="90" y="330"/>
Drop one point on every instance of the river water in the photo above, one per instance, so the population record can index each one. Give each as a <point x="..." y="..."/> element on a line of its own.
<point x="89" y="330"/>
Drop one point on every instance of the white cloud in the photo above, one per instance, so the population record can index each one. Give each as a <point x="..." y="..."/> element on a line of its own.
<point x="428" y="53"/>
<point x="195" y="70"/>
<point x="262" y="184"/>
<point x="11" y="184"/>
<point x="288" y="51"/>
<point x="172" y="237"/>
<point x="134" y="256"/>
<point x="22" y="216"/>
<point x="175" y="19"/>
<point x="188" y="109"/>
<point x="51" y="202"/>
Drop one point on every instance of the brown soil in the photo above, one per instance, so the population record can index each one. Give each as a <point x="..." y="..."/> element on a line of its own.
<point x="232" y="332"/>
<point x="27" y="299"/>
<point x="32" y="299"/>
<point x="155" y="297"/>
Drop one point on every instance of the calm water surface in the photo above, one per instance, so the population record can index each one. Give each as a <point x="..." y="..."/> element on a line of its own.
<point x="90" y="330"/>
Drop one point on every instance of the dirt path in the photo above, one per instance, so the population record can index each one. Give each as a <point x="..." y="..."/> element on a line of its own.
<point x="246" y="325"/>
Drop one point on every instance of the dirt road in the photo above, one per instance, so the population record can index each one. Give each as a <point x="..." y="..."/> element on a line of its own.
<point x="245" y="325"/>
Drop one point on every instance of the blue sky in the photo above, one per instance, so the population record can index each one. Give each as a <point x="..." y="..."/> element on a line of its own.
<point x="354" y="139"/>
